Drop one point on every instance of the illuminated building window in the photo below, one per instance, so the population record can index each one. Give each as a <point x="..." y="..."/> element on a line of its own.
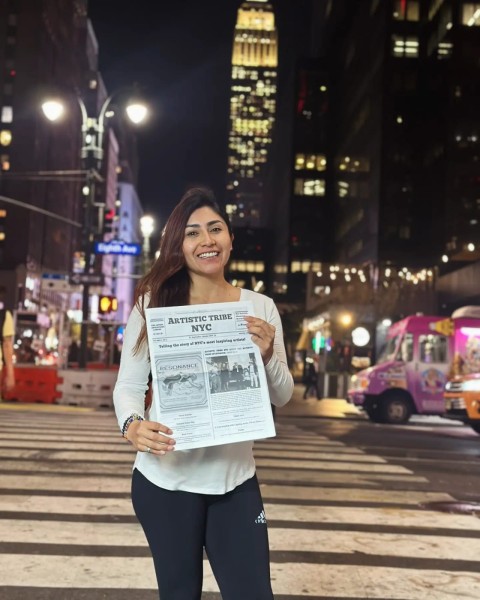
<point x="5" y="137"/>
<point x="247" y="266"/>
<point x="316" y="162"/>
<point x="309" y="187"/>
<point x="444" y="50"/>
<point x="7" y="114"/>
<point x="404" y="47"/>
<point x="5" y="162"/>
<point x="297" y="266"/>
<point x="471" y="15"/>
<point x="406" y="10"/>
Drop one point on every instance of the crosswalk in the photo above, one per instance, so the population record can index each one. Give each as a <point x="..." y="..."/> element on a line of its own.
<point x="343" y="524"/>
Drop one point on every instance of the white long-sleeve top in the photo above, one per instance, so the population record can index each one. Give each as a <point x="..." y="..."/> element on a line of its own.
<point x="211" y="470"/>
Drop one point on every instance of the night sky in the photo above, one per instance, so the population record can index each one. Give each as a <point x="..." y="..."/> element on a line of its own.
<point x="181" y="60"/>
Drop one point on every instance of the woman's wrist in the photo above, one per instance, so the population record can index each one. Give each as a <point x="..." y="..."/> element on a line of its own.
<point x="128" y="421"/>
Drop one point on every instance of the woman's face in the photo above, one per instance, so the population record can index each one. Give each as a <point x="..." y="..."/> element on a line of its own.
<point x="207" y="243"/>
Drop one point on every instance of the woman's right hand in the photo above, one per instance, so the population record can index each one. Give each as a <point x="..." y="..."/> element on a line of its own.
<point x="148" y="436"/>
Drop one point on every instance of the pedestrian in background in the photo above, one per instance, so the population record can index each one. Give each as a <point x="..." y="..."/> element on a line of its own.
<point x="310" y="382"/>
<point x="7" y="333"/>
<point x="207" y="497"/>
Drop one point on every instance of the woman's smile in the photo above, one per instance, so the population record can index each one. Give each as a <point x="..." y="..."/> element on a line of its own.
<point x="207" y="243"/>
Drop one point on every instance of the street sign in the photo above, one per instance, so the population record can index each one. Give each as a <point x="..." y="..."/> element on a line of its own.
<point x="87" y="278"/>
<point x="117" y="247"/>
<point x="57" y="282"/>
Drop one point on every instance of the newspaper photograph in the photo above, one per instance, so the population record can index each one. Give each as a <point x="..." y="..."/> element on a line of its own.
<point x="208" y="378"/>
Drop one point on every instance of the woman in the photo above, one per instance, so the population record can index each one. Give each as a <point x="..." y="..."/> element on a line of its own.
<point x="208" y="497"/>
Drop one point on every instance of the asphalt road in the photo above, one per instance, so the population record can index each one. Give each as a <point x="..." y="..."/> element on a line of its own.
<point x="355" y="510"/>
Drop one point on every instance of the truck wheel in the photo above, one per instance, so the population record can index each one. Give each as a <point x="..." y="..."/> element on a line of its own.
<point x="395" y="409"/>
<point x="475" y="427"/>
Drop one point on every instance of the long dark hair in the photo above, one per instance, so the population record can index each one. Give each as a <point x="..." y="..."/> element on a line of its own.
<point x="168" y="282"/>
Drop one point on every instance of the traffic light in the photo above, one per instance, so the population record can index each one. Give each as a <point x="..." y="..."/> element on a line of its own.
<point x="108" y="220"/>
<point x="107" y="304"/>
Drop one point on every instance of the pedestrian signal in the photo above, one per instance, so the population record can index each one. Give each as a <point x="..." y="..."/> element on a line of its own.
<point x="318" y="342"/>
<point x="107" y="304"/>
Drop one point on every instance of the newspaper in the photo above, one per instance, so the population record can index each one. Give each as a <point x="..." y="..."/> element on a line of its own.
<point x="208" y="378"/>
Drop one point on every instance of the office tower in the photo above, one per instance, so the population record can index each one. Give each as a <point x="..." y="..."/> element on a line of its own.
<point x="252" y="111"/>
<point x="406" y="145"/>
<point x="32" y="66"/>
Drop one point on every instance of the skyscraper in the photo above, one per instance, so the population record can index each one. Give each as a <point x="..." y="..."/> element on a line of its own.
<point x="252" y="110"/>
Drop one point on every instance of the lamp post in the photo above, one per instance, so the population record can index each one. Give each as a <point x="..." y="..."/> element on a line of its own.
<point x="147" y="226"/>
<point x="93" y="129"/>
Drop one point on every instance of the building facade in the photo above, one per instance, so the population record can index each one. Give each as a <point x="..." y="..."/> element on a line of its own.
<point x="50" y="49"/>
<point x="405" y="152"/>
<point x="252" y="111"/>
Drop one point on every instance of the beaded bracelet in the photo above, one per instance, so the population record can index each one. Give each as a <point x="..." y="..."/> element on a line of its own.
<point x="133" y="417"/>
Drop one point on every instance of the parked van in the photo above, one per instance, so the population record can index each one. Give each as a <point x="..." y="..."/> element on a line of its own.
<point x="421" y="353"/>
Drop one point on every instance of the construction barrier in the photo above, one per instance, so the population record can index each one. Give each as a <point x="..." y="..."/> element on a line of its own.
<point x="87" y="387"/>
<point x="35" y="384"/>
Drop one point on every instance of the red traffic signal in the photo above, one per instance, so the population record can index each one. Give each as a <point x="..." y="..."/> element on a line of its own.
<point x="108" y="220"/>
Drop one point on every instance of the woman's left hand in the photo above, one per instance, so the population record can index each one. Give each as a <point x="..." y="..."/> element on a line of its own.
<point x="263" y="334"/>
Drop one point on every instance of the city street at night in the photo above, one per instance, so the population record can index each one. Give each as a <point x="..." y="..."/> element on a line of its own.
<point x="356" y="510"/>
<point x="240" y="252"/>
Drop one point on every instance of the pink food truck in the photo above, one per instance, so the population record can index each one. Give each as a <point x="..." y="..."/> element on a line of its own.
<point x="420" y="354"/>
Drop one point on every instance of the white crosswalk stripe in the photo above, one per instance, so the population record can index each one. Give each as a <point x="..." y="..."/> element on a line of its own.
<point x="343" y="524"/>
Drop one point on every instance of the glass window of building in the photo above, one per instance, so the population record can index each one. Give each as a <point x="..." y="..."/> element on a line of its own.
<point x="471" y="14"/>
<point x="7" y="114"/>
<point x="298" y="187"/>
<point x="5" y="162"/>
<point x="406" y="10"/>
<point x="405" y="47"/>
<point x="5" y="137"/>
<point x="295" y="266"/>
<point x="309" y="187"/>
<point x="321" y="162"/>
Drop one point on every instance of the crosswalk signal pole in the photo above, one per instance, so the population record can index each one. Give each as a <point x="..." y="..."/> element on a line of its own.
<point x="87" y="249"/>
<point x="93" y="129"/>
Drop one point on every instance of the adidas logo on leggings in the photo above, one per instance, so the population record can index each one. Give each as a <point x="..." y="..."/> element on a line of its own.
<point x="261" y="518"/>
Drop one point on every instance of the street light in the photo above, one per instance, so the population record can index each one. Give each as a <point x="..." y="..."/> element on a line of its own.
<point x="93" y="128"/>
<point x="147" y="226"/>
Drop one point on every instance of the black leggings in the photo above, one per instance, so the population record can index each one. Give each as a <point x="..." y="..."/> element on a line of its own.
<point x="232" y="528"/>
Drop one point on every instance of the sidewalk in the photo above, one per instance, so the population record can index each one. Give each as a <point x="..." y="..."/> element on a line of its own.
<point x="337" y="408"/>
